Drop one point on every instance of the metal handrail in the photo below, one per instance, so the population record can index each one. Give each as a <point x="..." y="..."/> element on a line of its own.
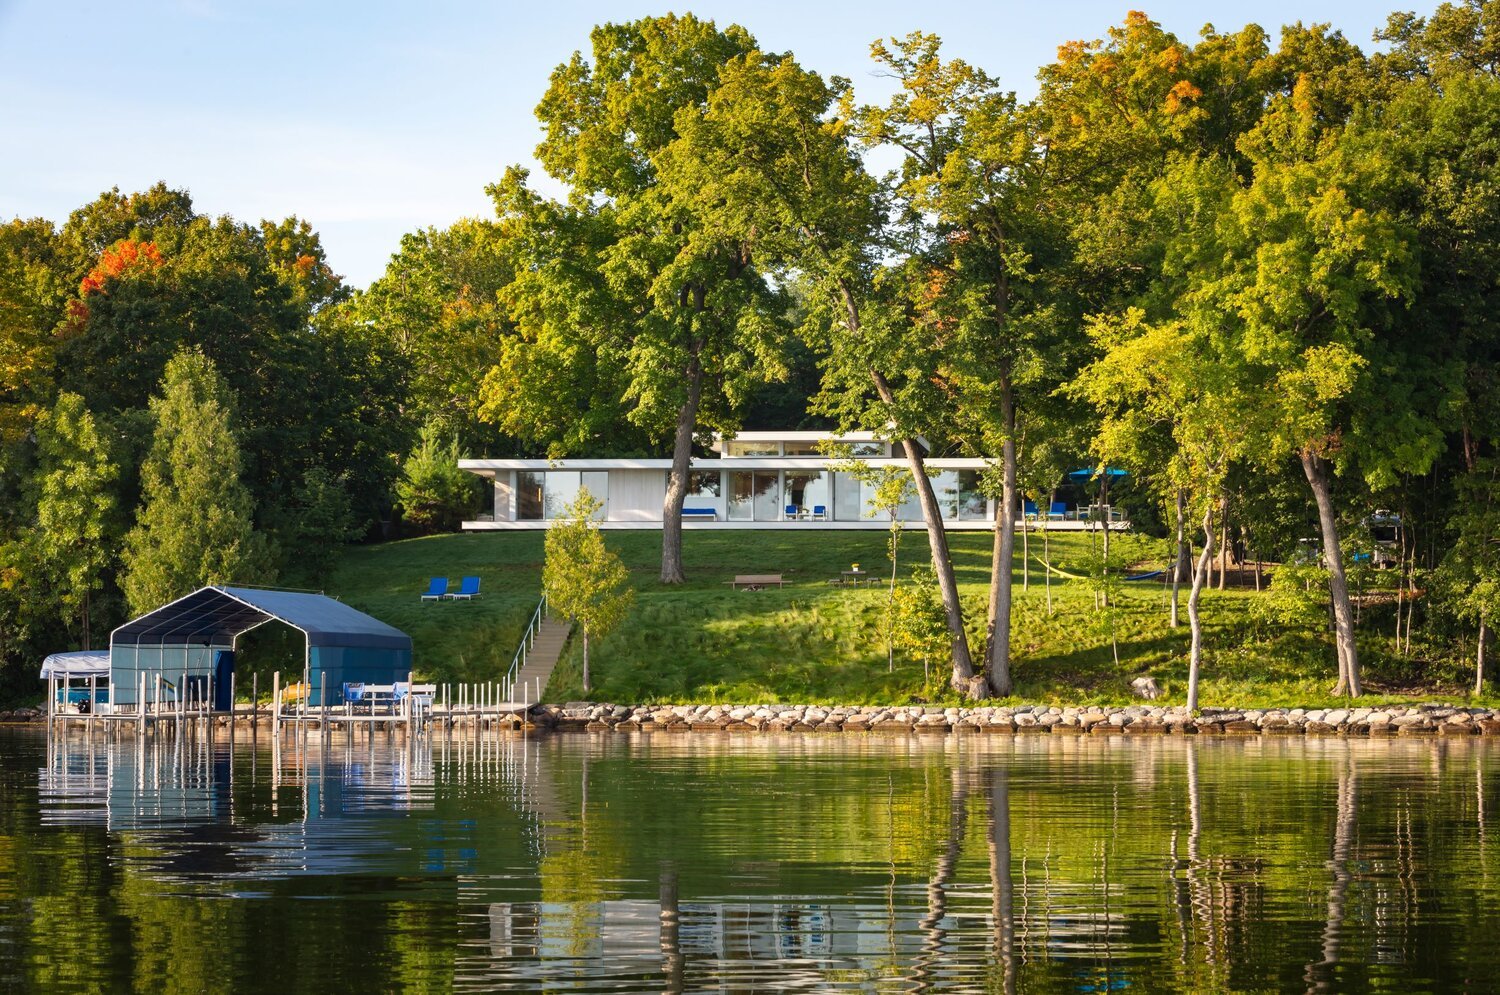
<point x="528" y="639"/>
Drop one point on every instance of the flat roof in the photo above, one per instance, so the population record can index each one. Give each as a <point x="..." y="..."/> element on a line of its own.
<point x="737" y="463"/>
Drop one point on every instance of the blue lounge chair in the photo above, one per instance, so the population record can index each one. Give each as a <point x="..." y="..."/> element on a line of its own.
<point x="1028" y="510"/>
<point x="437" y="588"/>
<point x="820" y="512"/>
<point x="1058" y="512"/>
<point x="791" y="512"/>
<point x="468" y="589"/>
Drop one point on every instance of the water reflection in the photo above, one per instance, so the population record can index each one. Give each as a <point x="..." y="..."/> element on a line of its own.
<point x="688" y="863"/>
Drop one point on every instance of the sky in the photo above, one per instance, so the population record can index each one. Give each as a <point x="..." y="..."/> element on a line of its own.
<point x="374" y="119"/>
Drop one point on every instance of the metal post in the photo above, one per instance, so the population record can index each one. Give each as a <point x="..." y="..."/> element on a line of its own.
<point x="323" y="702"/>
<point x="255" y="700"/>
<point x="275" y="702"/>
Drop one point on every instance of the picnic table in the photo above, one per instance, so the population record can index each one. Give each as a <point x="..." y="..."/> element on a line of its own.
<point x="855" y="576"/>
<point x="754" y="580"/>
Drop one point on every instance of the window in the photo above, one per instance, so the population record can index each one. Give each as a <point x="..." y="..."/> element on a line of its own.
<point x="868" y="449"/>
<point x="808" y="490"/>
<point x="973" y="506"/>
<point x="767" y="496"/>
<point x="741" y="496"/>
<point x="547" y="495"/>
<point x="738" y="448"/>
<point x="801" y="448"/>
<point x="705" y="485"/>
<point x="559" y="490"/>
<point x="528" y="496"/>
<point x="848" y="506"/>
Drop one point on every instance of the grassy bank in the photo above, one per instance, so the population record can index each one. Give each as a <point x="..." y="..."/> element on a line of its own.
<point x="813" y="642"/>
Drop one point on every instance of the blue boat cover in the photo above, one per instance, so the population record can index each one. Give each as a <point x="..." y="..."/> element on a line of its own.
<point x="215" y="615"/>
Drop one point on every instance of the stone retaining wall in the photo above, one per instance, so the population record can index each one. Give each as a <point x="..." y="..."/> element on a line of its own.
<point x="1418" y="720"/>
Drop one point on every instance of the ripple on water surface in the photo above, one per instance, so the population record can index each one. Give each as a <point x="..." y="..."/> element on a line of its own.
<point x="689" y="862"/>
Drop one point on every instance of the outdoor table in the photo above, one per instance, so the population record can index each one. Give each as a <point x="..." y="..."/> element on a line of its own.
<point x="855" y="576"/>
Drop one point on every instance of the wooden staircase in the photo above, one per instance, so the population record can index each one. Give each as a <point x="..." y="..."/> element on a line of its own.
<point x="540" y="660"/>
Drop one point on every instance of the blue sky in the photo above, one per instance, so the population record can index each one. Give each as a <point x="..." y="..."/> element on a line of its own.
<point x="371" y="120"/>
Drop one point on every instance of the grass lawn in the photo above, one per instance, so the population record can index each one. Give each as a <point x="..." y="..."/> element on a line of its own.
<point x="812" y="642"/>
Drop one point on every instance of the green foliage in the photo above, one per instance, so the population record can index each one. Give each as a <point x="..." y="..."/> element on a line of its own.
<point x="78" y="515"/>
<point x="918" y="626"/>
<point x="323" y="522"/>
<point x="434" y="494"/>
<point x="583" y="580"/>
<point x="1468" y="578"/>
<point x="195" y="525"/>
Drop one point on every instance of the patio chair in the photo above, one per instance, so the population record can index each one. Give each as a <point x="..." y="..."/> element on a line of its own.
<point x="437" y="588"/>
<point x="820" y="512"/>
<point x="792" y="513"/>
<point x="1028" y="510"/>
<point x="468" y="589"/>
<point x="1058" y="512"/>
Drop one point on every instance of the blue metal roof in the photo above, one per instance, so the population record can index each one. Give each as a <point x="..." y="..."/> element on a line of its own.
<point x="213" y="616"/>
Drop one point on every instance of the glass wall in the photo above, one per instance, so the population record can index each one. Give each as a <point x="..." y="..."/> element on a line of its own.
<point x="848" y="503"/>
<point x="528" y="496"/>
<point x="741" y="495"/>
<point x="737" y="448"/>
<point x="808" y="491"/>
<point x="547" y="494"/>
<point x="800" y="449"/>
<point x="705" y="486"/>
<point x="973" y="506"/>
<point x="767" y="496"/>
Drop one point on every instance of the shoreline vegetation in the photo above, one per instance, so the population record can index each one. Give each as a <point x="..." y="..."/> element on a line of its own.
<point x="700" y="643"/>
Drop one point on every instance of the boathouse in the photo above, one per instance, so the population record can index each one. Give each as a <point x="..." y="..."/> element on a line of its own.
<point x="190" y="644"/>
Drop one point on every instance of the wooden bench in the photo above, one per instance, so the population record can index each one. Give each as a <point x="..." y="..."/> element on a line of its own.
<point x="754" y="580"/>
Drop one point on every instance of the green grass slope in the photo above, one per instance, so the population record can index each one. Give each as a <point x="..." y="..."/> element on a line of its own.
<point x="813" y="642"/>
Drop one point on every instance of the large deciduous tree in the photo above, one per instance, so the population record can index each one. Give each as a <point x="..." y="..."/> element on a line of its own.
<point x="776" y="164"/>
<point x="692" y="320"/>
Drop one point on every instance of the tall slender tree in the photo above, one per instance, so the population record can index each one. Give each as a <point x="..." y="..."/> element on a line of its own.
<point x="195" y="525"/>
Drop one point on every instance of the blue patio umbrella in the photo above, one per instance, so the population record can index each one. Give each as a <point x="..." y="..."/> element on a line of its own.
<point x="1087" y="472"/>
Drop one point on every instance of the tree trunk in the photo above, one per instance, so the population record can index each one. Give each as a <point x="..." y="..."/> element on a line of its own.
<point x="1195" y="624"/>
<point x="937" y="537"/>
<point x="942" y="564"/>
<point x="1047" y="558"/>
<point x="998" y="662"/>
<point x="1318" y="478"/>
<point x="585" y="658"/>
<point x="1479" y="657"/>
<point x="677" y="477"/>
<point x="1025" y="553"/>
<point x="1184" y="555"/>
<point x="1223" y="541"/>
<point x="1002" y="899"/>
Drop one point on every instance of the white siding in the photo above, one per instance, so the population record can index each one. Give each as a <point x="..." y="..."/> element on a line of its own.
<point x="504" y="489"/>
<point x="636" y="495"/>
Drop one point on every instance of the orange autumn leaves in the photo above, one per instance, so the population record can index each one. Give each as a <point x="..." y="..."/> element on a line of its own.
<point x="121" y="258"/>
<point x="114" y="262"/>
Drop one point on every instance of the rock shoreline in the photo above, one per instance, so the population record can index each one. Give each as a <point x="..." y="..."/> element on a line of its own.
<point x="1415" y="720"/>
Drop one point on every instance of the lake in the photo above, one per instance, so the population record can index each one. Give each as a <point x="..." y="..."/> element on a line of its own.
<point x="690" y="862"/>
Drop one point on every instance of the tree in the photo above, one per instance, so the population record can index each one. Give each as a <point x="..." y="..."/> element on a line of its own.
<point x="322" y="522"/>
<point x="770" y="161"/>
<point x="434" y="494"/>
<point x="31" y="305"/>
<point x="892" y="489"/>
<point x="439" y="305"/>
<point x="584" y="581"/>
<point x="976" y="199"/>
<point x="1469" y="575"/>
<point x="78" y="528"/>
<point x="694" y="322"/>
<point x="195" y="524"/>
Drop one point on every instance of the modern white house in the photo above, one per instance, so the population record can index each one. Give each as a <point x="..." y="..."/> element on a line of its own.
<point x="761" y="480"/>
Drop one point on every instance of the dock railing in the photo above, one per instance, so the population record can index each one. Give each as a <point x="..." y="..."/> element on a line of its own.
<point x="528" y="639"/>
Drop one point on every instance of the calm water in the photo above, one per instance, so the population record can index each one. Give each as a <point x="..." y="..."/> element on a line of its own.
<point x="690" y="862"/>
